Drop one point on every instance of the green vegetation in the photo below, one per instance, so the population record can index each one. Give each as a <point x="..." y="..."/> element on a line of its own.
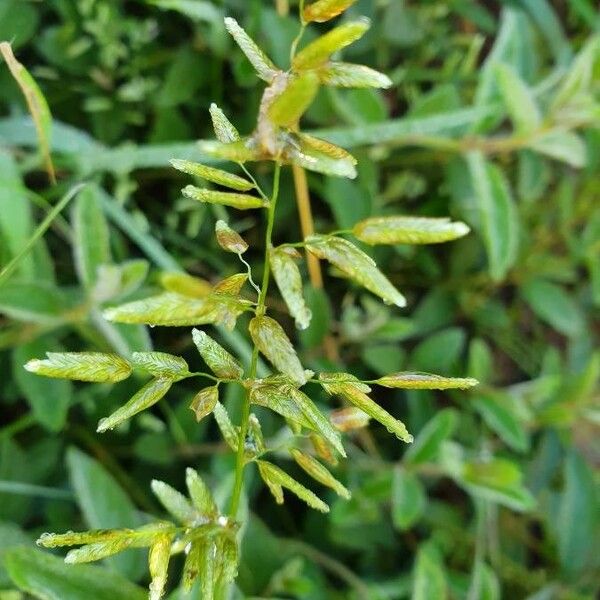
<point x="245" y="357"/>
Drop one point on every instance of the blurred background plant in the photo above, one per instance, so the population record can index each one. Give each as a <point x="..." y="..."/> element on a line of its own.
<point x="494" y="118"/>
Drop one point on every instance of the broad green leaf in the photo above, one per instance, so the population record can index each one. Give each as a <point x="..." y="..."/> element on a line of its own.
<point x="408" y="499"/>
<point x="161" y="364"/>
<point x="228" y="431"/>
<point x="219" y="361"/>
<point x="47" y="577"/>
<point x="273" y="475"/>
<point x="225" y="132"/>
<point x="424" y="381"/>
<point x="497" y="411"/>
<point x="497" y="214"/>
<point x="319" y="51"/>
<point x="429" y="440"/>
<point x="551" y="303"/>
<point x="325" y="10"/>
<point x="577" y="517"/>
<point x="49" y="399"/>
<point x="224" y="178"/>
<point x="104" y="505"/>
<point x="565" y="146"/>
<point x="518" y="98"/>
<point x="408" y="230"/>
<point x="33" y="302"/>
<point x="355" y="264"/>
<point x="284" y="398"/>
<point x="354" y="393"/>
<point x="158" y="563"/>
<point x="200" y="494"/>
<point x="204" y="402"/>
<point x="289" y="281"/>
<point x="429" y="578"/>
<point x="174" y="502"/>
<point x="90" y="236"/>
<point x="272" y="341"/>
<point x="239" y="201"/>
<point x="318" y="472"/>
<point x="287" y="108"/>
<point x="230" y="240"/>
<point x="149" y="395"/>
<point x="81" y="366"/>
<point x="38" y="107"/>
<point x="497" y="480"/>
<point x="177" y="310"/>
<point x="348" y="75"/>
<point x="262" y="64"/>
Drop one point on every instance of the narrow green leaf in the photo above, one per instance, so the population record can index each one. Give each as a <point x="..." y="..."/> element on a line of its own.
<point x="200" y="494"/>
<point x="518" y="98"/>
<point x="354" y="393"/>
<point x="318" y="472"/>
<point x="219" y="361"/>
<point x="325" y="10"/>
<point x="308" y="157"/>
<point x="38" y="107"/>
<point x="356" y="264"/>
<point x="408" y="230"/>
<point x="239" y="201"/>
<point x="158" y="563"/>
<point x="430" y="438"/>
<point x="81" y="366"/>
<point x="161" y="364"/>
<point x="319" y="51"/>
<point x="497" y="214"/>
<point x="149" y="395"/>
<point x="265" y="69"/>
<point x="228" y="431"/>
<point x="408" y="499"/>
<point x="272" y="341"/>
<point x="224" y="178"/>
<point x="499" y="415"/>
<point x="289" y="281"/>
<point x="204" y="402"/>
<point x="287" y="108"/>
<point x="174" y="502"/>
<point x="273" y="474"/>
<point x="239" y="151"/>
<point x="348" y="75"/>
<point x="429" y="578"/>
<point x="565" y="146"/>
<point x="97" y="551"/>
<point x="425" y="381"/>
<point x="225" y="132"/>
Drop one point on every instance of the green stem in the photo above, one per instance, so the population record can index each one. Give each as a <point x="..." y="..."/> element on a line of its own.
<point x="260" y="310"/>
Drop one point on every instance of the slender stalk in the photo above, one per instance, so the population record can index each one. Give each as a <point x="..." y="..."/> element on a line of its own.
<point x="260" y="310"/>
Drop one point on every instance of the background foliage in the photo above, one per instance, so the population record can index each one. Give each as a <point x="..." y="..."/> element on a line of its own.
<point x="493" y="118"/>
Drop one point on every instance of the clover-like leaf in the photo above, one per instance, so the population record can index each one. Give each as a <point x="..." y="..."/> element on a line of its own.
<point x="219" y="361"/>
<point x="149" y="395"/>
<point x="204" y="402"/>
<point x="263" y="65"/>
<point x="225" y="132"/>
<point x="318" y="472"/>
<point x="425" y="381"/>
<point x="356" y="396"/>
<point x="349" y="75"/>
<point x="82" y="366"/>
<point x="289" y="281"/>
<point x="276" y="477"/>
<point x="325" y="10"/>
<point x="272" y="341"/>
<point x="319" y="51"/>
<point x="233" y="199"/>
<point x="228" y="239"/>
<point x="161" y="364"/>
<point x="408" y="230"/>
<point x="224" y="178"/>
<point x="355" y="264"/>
